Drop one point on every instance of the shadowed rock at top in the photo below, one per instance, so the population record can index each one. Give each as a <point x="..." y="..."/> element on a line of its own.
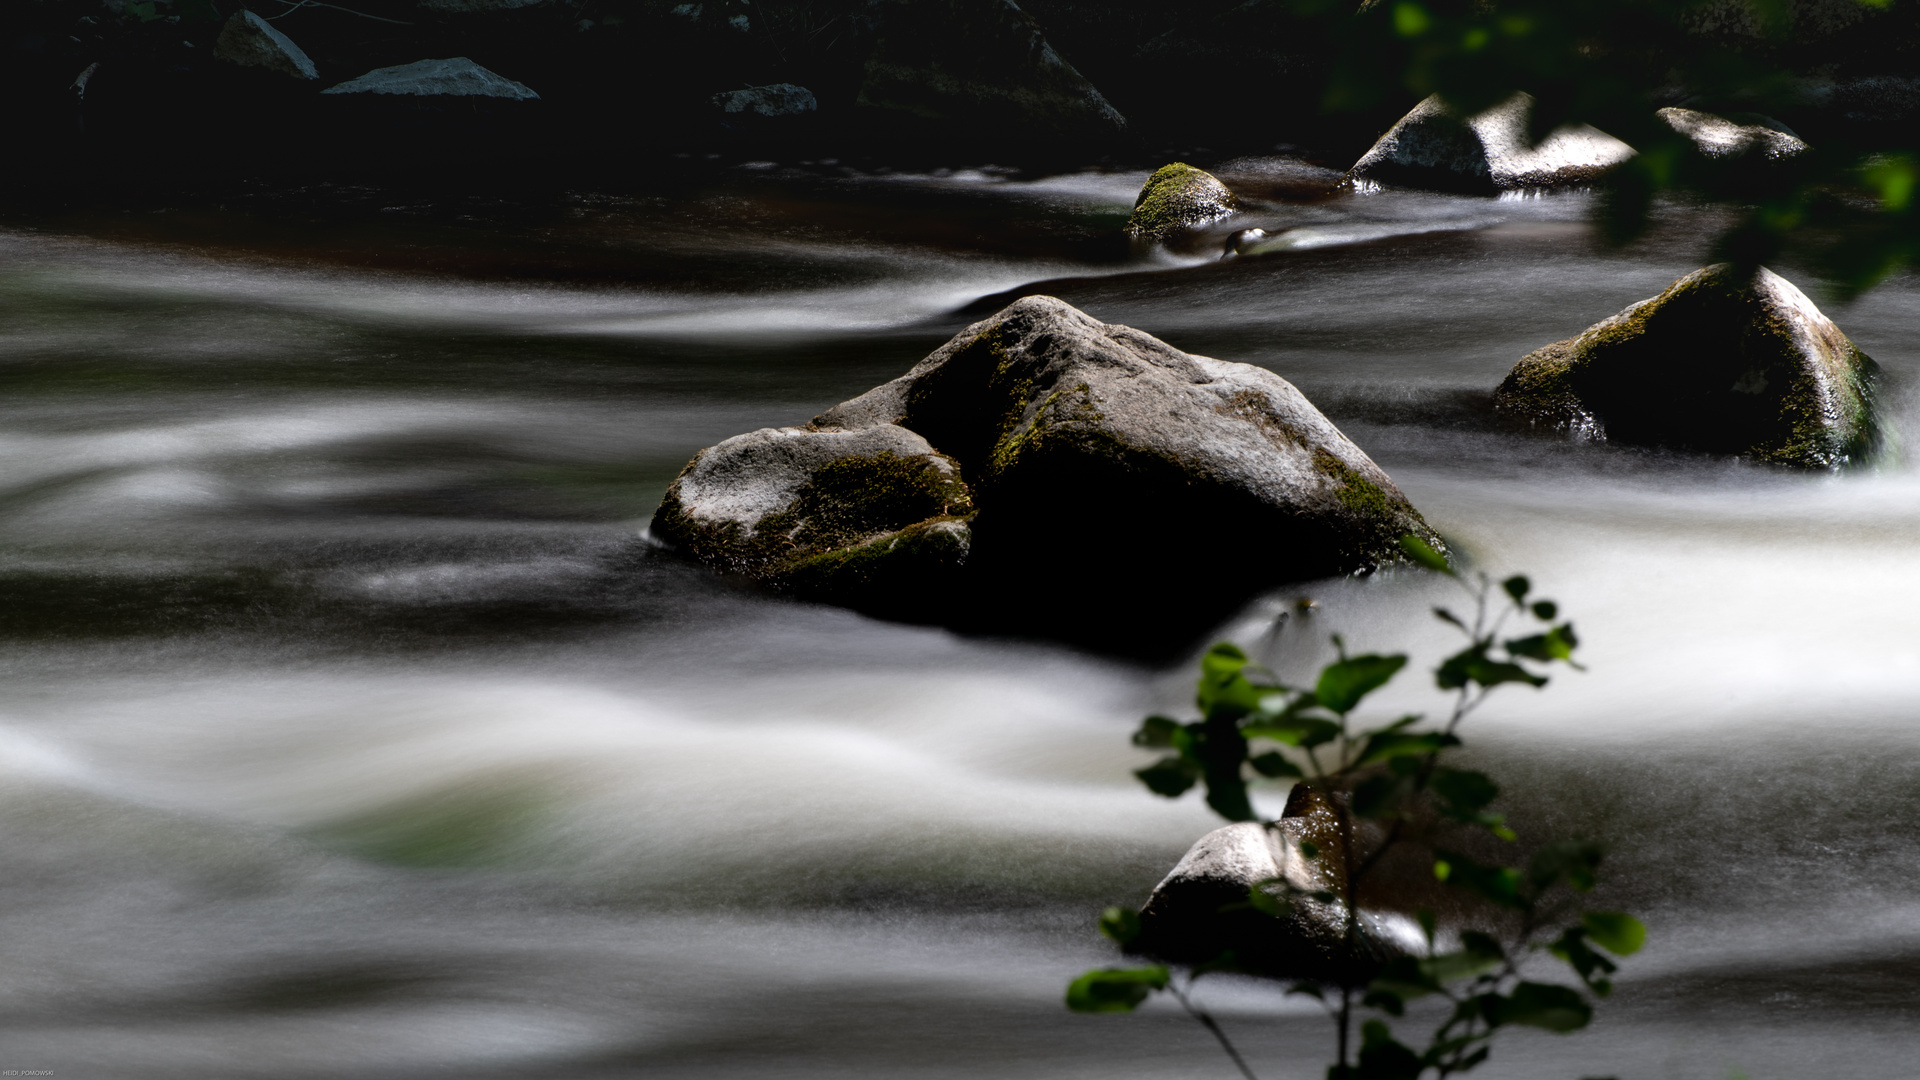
<point x="982" y="64"/>
<point x="1722" y="361"/>
<point x="453" y="77"/>
<point x="1044" y="473"/>
<point x="250" y="41"/>
<point x="1434" y="147"/>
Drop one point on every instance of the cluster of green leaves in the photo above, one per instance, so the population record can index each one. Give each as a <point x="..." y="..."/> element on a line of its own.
<point x="1848" y="202"/>
<point x="1390" y="785"/>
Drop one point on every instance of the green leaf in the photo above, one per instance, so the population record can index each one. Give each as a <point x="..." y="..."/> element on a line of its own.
<point x="1448" y="617"/>
<point x="1541" y="1005"/>
<point x="1405" y="978"/>
<point x="1463" y="793"/>
<point x="1385" y="1000"/>
<point x="1591" y="966"/>
<point x="1545" y="610"/>
<point x="1410" y="20"/>
<point x="1170" y="776"/>
<point x="1499" y="884"/>
<point x="1156" y="731"/>
<point x="1272" y="896"/>
<point x="1617" y="932"/>
<point x="1384" y="1058"/>
<point x="1472" y="665"/>
<point x="1443" y="968"/>
<point x="1393" y="744"/>
<point x="1271" y="764"/>
<point x="1343" y="683"/>
<point x="1299" y="731"/>
<point x="1423" y="553"/>
<point x="1121" y="924"/>
<point x="1223" y="661"/>
<point x="1224" y="689"/>
<point x="1516" y="587"/>
<point x="1378" y="796"/>
<point x="1556" y="644"/>
<point x="1115" y="989"/>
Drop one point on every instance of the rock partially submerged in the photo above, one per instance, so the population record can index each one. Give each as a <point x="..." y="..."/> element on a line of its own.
<point x="454" y="77"/>
<point x="1049" y="474"/>
<point x="1178" y="197"/>
<point x="985" y="63"/>
<point x="773" y="100"/>
<point x="1435" y="147"/>
<point x="1199" y="912"/>
<point x="250" y="41"/>
<point x="1725" y="138"/>
<point x="1723" y="361"/>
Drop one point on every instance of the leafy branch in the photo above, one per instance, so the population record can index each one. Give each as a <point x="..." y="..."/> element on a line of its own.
<point x="1390" y="787"/>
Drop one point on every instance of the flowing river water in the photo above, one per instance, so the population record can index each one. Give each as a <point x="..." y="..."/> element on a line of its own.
<point x="351" y="727"/>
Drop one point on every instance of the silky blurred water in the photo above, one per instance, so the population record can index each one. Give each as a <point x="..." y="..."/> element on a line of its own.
<point x="351" y="727"/>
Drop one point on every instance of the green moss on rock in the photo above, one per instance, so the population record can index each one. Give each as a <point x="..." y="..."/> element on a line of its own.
<point x="1722" y="361"/>
<point x="1176" y="197"/>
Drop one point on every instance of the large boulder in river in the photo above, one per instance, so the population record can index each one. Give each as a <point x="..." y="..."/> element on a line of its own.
<point x="983" y="65"/>
<point x="1435" y="147"/>
<point x="1175" y="198"/>
<point x="453" y="77"/>
<point x="1078" y="480"/>
<point x="1199" y="912"/>
<point x="1725" y="361"/>
<point x="1742" y="137"/>
<point x="250" y="41"/>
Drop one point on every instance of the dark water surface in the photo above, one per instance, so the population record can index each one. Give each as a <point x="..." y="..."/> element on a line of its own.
<point x="351" y="728"/>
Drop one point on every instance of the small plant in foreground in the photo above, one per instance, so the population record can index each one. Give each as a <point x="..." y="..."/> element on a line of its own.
<point x="1391" y="790"/>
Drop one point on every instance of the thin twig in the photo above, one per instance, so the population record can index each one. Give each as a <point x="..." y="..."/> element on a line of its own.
<point x="296" y="5"/>
<point x="1207" y="1022"/>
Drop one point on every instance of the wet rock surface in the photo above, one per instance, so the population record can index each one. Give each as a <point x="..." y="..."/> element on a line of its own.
<point x="1733" y="137"/>
<point x="776" y="99"/>
<point x="1199" y="912"/>
<point x="250" y="41"/>
<point x="1723" y="361"/>
<point x="453" y="77"/>
<point x="1089" y="453"/>
<point x="1175" y="198"/>
<point x="1434" y="147"/>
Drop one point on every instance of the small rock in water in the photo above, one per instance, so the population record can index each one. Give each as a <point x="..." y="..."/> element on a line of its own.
<point x="250" y="41"/>
<point x="776" y="99"/>
<point x="1722" y="137"/>
<point x="1239" y="242"/>
<point x="1047" y="474"/>
<point x="1178" y="197"/>
<point x="1199" y="911"/>
<point x="1434" y="147"/>
<point x="1722" y="361"/>
<point x="454" y="77"/>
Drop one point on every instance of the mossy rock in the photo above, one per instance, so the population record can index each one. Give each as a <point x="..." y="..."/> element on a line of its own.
<point x="1175" y="198"/>
<point x="1145" y="493"/>
<point x="788" y="505"/>
<point x="1724" y="361"/>
<point x="1091" y="483"/>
